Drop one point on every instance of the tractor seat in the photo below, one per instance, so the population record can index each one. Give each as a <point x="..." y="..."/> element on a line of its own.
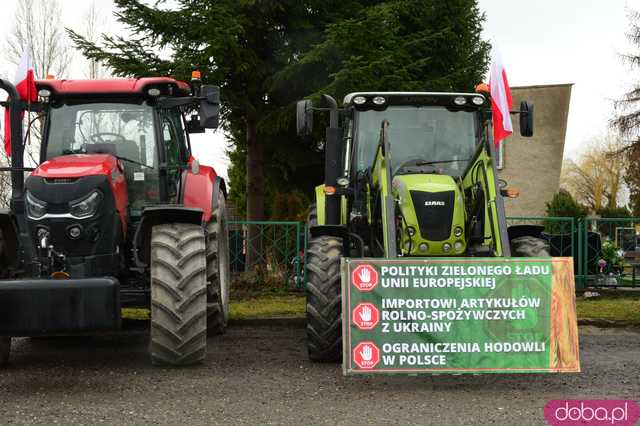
<point x="128" y="149"/>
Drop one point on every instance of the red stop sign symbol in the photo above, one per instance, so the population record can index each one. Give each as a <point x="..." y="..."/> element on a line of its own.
<point x="364" y="277"/>
<point x="365" y="316"/>
<point x="366" y="355"/>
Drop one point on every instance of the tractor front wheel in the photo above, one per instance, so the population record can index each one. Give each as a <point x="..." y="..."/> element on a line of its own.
<point x="5" y="350"/>
<point x="324" y="299"/>
<point x="178" y="294"/>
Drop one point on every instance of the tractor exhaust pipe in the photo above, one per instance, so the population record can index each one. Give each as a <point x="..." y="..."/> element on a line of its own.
<point x="332" y="152"/>
<point x="16" y="106"/>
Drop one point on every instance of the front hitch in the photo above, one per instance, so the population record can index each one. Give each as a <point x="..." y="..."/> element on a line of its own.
<point x="51" y="260"/>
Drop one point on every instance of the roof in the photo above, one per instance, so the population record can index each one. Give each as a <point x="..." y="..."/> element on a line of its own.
<point x="114" y="86"/>
<point x="542" y="86"/>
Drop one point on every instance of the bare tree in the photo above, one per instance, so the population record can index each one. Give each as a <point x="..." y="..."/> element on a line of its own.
<point x="39" y="28"/>
<point x="627" y="119"/>
<point x="596" y="179"/>
<point x="94" y="22"/>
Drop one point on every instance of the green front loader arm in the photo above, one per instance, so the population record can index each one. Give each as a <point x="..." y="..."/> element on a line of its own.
<point x="381" y="180"/>
<point x="482" y="170"/>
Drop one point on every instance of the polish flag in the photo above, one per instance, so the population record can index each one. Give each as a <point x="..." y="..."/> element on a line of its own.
<point x="501" y="102"/>
<point x="26" y="87"/>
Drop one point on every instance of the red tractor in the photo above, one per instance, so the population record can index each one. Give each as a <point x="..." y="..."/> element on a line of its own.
<point x="117" y="214"/>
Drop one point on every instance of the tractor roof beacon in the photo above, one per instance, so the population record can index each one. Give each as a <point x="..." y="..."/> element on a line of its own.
<point x="116" y="214"/>
<point x="406" y="174"/>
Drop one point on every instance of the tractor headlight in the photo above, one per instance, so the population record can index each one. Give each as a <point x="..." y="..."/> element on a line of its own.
<point x="359" y="100"/>
<point x="87" y="206"/>
<point x="35" y="208"/>
<point x="459" y="100"/>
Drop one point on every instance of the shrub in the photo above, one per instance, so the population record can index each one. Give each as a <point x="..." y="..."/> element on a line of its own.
<point x="564" y="205"/>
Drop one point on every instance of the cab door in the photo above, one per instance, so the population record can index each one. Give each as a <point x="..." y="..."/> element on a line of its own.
<point x="173" y="142"/>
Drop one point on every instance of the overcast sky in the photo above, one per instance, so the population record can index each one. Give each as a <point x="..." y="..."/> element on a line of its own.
<point x="541" y="41"/>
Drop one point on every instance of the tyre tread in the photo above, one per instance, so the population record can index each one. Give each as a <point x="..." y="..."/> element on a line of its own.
<point x="178" y="294"/>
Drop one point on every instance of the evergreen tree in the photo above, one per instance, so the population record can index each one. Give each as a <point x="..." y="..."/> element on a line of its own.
<point x="411" y="45"/>
<point x="265" y="55"/>
<point x="564" y="205"/>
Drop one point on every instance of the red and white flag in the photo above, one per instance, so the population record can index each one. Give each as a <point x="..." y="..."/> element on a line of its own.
<point x="26" y="87"/>
<point x="501" y="102"/>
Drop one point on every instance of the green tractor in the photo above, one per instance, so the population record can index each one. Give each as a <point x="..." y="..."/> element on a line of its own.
<point x="406" y="175"/>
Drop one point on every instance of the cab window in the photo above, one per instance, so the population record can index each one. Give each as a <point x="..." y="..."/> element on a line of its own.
<point x="173" y="141"/>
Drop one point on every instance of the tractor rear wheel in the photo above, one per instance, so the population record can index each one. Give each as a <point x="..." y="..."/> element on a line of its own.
<point x="324" y="299"/>
<point x="5" y="350"/>
<point x="218" y="270"/>
<point x="178" y="294"/>
<point x="529" y="247"/>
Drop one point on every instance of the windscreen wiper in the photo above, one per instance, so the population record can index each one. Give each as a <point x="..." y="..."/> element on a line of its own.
<point x="427" y="163"/>
<point x="132" y="161"/>
<point x="73" y="151"/>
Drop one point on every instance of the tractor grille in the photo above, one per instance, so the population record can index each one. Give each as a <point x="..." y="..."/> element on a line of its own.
<point x="60" y="180"/>
<point x="435" y="213"/>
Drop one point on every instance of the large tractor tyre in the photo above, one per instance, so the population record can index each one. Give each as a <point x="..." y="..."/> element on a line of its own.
<point x="312" y="217"/>
<point x="178" y="294"/>
<point x="324" y="299"/>
<point x="218" y="270"/>
<point x="529" y="247"/>
<point x="5" y="350"/>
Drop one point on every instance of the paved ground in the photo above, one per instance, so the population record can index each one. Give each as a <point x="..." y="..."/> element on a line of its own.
<point x="261" y="375"/>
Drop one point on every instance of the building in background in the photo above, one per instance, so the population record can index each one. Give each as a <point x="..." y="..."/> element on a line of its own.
<point x="533" y="165"/>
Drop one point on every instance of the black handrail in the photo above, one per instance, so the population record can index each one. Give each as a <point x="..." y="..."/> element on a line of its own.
<point x="16" y="107"/>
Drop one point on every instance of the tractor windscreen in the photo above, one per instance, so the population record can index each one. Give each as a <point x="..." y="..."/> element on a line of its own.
<point x="120" y="128"/>
<point x="423" y="139"/>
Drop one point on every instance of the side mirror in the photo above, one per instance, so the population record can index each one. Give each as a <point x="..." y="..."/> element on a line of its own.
<point x="194" y="126"/>
<point x="304" y="117"/>
<point x="526" y="119"/>
<point x="209" y="106"/>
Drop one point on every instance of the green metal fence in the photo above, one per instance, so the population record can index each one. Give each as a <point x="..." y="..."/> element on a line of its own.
<point x="559" y="232"/>
<point x="610" y="252"/>
<point x="606" y="251"/>
<point x="272" y="248"/>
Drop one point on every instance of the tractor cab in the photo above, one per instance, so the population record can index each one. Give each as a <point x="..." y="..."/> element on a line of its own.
<point x="123" y="130"/>
<point x="414" y="173"/>
<point x="428" y="142"/>
<point x="126" y="119"/>
<point x="430" y="134"/>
